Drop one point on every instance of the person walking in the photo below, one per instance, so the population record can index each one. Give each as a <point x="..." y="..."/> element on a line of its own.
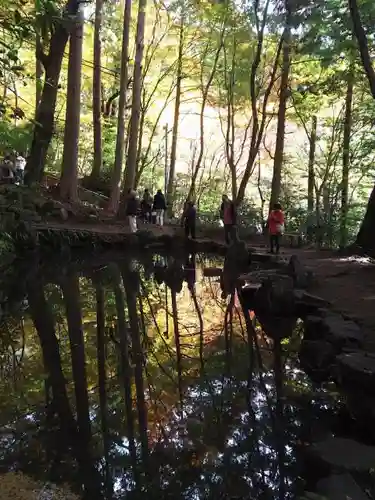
<point x="228" y="216"/>
<point x="159" y="206"/>
<point x="20" y="164"/>
<point x="132" y="206"/>
<point x="146" y="205"/>
<point x="276" y="221"/>
<point x="189" y="219"/>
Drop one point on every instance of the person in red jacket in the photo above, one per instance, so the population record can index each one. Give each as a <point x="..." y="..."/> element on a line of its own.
<point x="276" y="227"/>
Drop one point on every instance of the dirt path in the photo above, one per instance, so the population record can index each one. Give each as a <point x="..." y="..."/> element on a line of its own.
<point x="348" y="283"/>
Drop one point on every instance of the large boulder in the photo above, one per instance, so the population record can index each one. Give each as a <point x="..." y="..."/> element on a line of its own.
<point x="357" y="369"/>
<point x="316" y="358"/>
<point x="345" y="454"/>
<point x="334" y="328"/>
<point x="340" y="487"/>
<point x="302" y="277"/>
<point x="276" y="296"/>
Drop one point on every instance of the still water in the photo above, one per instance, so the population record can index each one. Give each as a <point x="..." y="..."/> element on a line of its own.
<point x="126" y="380"/>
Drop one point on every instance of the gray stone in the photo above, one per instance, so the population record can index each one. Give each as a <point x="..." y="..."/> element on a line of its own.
<point x="345" y="454"/>
<point x="340" y="487"/>
<point x="63" y="214"/>
<point x="334" y="328"/>
<point x="317" y="354"/>
<point x="302" y="277"/>
<point x="276" y="296"/>
<point x="343" y="332"/>
<point x="357" y="369"/>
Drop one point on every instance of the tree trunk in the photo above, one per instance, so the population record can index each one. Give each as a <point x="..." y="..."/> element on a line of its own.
<point x="69" y="169"/>
<point x="131" y="163"/>
<point x="43" y="320"/>
<point x="96" y="93"/>
<point x="365" y="237"/>
<point x="131" y="286"/>
<point x="102" y="384"/>
<point x="71" y="294"/>
<point x="346" y="156"/>
<point x="311" y="179"/>
<point x="280" y="135"/>
<point x="120" y="138"/>
<point x="44" y="126"/>
<point x="38" y="72"/>
<point x="362" y="44"/>
<point x="176" y="118"/>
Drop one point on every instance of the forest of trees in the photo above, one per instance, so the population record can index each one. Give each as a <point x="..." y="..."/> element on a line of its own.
<point x="267" y="100"/>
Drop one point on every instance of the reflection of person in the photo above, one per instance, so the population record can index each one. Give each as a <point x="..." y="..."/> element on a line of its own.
<point x="189" y="218"/>
<point x="131" y="210"/>
<point x="228" y="216"/>
<point x="276" y="223"/>
<point x="190" y="271"/>
<point x="159" y="206"/>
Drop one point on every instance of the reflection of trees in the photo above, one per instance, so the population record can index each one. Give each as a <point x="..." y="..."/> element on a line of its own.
<point x="234" y="435"/>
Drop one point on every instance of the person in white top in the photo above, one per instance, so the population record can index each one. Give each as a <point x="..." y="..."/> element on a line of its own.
<point x="20" y="165"/>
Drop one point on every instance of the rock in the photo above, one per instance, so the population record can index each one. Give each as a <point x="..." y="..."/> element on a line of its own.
<point x="302" y="277"/>
<point x="308" y="303"/>
<point x="63" y="213"/>
<point x="345" y="454"/>
<point x="333" y="328"/>
<point x="317" y="357"/>
<point x="340" y="487"/>
<point x="357" y="369"/>
<point x="343" y="333"/>
<point x="276" y="296"/>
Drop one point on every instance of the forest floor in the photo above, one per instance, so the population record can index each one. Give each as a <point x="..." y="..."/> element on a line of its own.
<point x="348" y="283"/>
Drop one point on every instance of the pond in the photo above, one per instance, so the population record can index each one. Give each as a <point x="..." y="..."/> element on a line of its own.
<point x="124" y="379"/>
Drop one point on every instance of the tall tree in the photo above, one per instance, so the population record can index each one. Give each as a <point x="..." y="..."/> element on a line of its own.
<point x="346" y="155"/>
<point x="96" y="92"/>
<point x="284" y="94"/>
<point x="45" y="114"/>
<point x="176" y="119"/>
<point x="311" y="176"/>
<point x="69" y="169"/>
<point x="131" y="163"/>
<point x="120" y="138"/>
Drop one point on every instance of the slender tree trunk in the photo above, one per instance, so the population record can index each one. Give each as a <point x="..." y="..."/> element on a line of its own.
<point x="360" y="34"/>
<point x="176" y="118"/>
<point x="125" y="363"/>
<point x="96" y="93"/>
<point x="102" y="381"/>
<point x="280" y="135"/>
<point x="131" y="163"/>
<point x="311" y="178"/>
<point x="70" y="288"/>
<point x="69" y="169"/>
<point x="131" y="285"/>
<point x="120" y="138"/>
<point x="38" y="72"/>
<point x="346" y="156"/>
<point x="44" y="126"/>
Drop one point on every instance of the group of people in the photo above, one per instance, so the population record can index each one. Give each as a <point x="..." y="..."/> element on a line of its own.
<point x="12" y="168"/>
<point x="150" y="208"/>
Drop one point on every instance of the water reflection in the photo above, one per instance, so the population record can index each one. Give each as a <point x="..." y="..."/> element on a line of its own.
<point x="138" y="378"/>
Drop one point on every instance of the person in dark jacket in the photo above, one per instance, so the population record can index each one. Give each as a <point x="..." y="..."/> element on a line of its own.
<point x="159" y="206"/>
<point x="132" y="206"/>
<point x="189" y="219"/>
<point x="146" y="205"/>
<point x="228" y="216"/>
